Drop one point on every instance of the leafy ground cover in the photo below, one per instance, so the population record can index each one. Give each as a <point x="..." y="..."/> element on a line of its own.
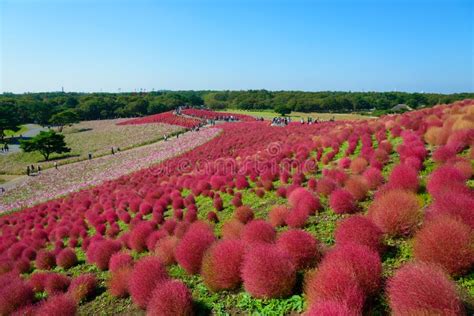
<point x="338" y="217"/>
<point x="296" y="116"/>
<point x="96" y="137"/>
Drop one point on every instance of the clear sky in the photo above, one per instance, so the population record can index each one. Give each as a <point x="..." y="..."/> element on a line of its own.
<point x="101" y="45"/>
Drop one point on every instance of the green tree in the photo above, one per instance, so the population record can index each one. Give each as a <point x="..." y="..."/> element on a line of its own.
<point x="9" y="119"/>
<point x="46" y="142"/>
<point x="283" y="109"/>
<point x="61" y="119"/>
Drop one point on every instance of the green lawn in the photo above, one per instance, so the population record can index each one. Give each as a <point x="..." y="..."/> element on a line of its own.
<point x="10" y="133"/>
<point x="296" y="116"/>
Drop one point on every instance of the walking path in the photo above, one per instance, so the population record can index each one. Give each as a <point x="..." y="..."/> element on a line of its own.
<point x="33" y="130"/>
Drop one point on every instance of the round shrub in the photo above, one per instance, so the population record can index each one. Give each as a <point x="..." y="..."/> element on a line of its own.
<point x="221" y="265"/>
<point x="404" y="177"/>
<point x="56" y="283"/>
<point x="82" y="287"/>
<point x="38" y="281"/>
<point x="14" y="295"/>
<point x="358" y="165"/>
<point x="303" y="200"/>
<point x="396" y="212"/>
<point x="171" y="298"/>
<point x="117" y="284"/>
<point x="277" y="215"/>
<point x="45" y="260"/>
<point x="100" y="252"/>
<point x="268" y="272"/>
<point x="232" y="229"/>
<point x="447" y="242"/>
<point x="258" y="231"/>
<point x="139" y="235"/>
<point x="360" y="230"/>
<point x="331" y="283"/>
<point x="325" y="186"/>
<point x="422" y="289"/>
<point x="191" y="247"/>
<point x="120" y="260"/>
<point x="330" y="308"/>
<point x="301" y="246"/>
<point x="341" y="201"/>
<point x="244" y="214"/>
<point x="146" y="275"/>
<point x="363" y="263"/>
<point x="58" y="305"/>
<point x="165" y="249"/>
<point x="66" y="258"/>
<point x="297" y="218"/>
<point x="374" y="178"/>
<point x="357" y="186"/>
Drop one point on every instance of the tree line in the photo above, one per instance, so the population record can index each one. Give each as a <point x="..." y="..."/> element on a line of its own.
<point x="59" y="108"/>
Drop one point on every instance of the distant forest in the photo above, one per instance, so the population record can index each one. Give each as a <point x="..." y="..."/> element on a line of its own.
<point x="40" y="107"/>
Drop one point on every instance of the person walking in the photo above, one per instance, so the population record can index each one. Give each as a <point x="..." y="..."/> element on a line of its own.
<point x="89" y="155"/>
<point x="32" y="168"/>
<point x="39" y="169"/>
<point x="112" y="149"/>
<point x="56" y="165"/>
<point x="28" y="171"/>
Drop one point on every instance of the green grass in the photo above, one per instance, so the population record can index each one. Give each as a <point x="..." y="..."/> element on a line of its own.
<point x="22" y="130"/>
<point x="296" y="116"/>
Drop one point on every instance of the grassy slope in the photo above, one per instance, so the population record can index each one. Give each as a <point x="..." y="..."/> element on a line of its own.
<point x="296" y="116"/>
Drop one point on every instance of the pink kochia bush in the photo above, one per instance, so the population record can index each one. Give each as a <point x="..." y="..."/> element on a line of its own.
<point x="277" y="215"/>
<point x="165" y="249"/>
<point x="138" y="236"/>
<point x="66" y="258"/>
<point x="148" y="273"/>
<point x="447" y="242"/>
<point x="330" y="308"/>
<point x="268" y="272"/>
<point x="120" y="260"/>
<point x="58" y="305"/>
<point x="221" y="265"/>
<point x="396" y="212"/>
<point x="342" y="201"/>
<point x="45" y="260"/>
<point x="258" y="231"/>
<point x="56" y="283"/>
<point x="404" y="177"/>
<point x="360" y="230"/>
<point x="301" y="246"/>
<point x="100" y="252"/>
<point x="304" y="201"/>
<point x="82" y="286"/>
<point x="14" y="295"/>
<point x="169" y="299"/>
<point x="244" y="214"/>
<point x="117" y="284"/>
<point x="423" y="289"/>
<point x="190" y="250"/>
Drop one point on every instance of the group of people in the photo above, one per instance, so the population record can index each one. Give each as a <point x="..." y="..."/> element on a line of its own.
<point x="31" y="170"/>
<point x="281" y="121"/>
<point x="5" y="148"/>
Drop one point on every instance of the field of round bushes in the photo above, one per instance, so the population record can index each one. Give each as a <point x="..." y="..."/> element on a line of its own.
<point x="370" y="217"/>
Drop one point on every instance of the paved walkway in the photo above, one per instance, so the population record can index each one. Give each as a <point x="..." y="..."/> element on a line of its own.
<point x="33" y="130"/>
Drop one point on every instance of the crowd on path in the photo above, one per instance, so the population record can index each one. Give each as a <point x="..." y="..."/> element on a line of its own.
<point x="5" y="148"/>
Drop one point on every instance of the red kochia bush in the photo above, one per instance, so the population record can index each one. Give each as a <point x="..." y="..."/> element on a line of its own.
<point x="329" y="282"/>
<point x="396" y="212"/>
<point x="330" y="308"/>
<point x="423" y="289"/>
<point x="165" y="249"/>
<point x="364" y="264"/>
<point x="268" y="272"/>
<point x="146" y="275"/>
<point x="171" y="298"/>
<point x="304" y="200"/>
<point x="66" y="258"/>
<point x="232" y="229"/>
<point x="404" y="177"/>
<point x="258" y="231"/>
<point x="358" y="165"/>
<point x="277" y="215"/>
<point x="360" y="230"/>
<point x="117" y="285"/>
<point x="447" y="242"/>
<point x="357" y="186"/>
<point x="82" y="286"/>
<point x="120" y="260"/>
<point x="374" y="177"/>
<point x="243" y="214"/>
<point x="100" y="252"/>
<point x="325" y="186"/>
<point x="45" y="260"/>
<point x="58" y="305"/>
<point x="139" y="235"/>
<point x="221" y="265"/>
<point x="297" y="218"/>
<point x="14" y="295"/>
<point x="191" y="248"/>
<point x="342" y="201"/>
<point x="56" y="283"/>
<point x="301" y="246"/>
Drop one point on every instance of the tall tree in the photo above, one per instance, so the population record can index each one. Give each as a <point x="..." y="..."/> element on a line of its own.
<point x="46" y="142"/>
<point x="61" y="119"/>
<point x="9" y="118"/>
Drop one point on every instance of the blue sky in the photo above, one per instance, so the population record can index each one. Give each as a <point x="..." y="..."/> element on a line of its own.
<point x="378" y="45"/>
